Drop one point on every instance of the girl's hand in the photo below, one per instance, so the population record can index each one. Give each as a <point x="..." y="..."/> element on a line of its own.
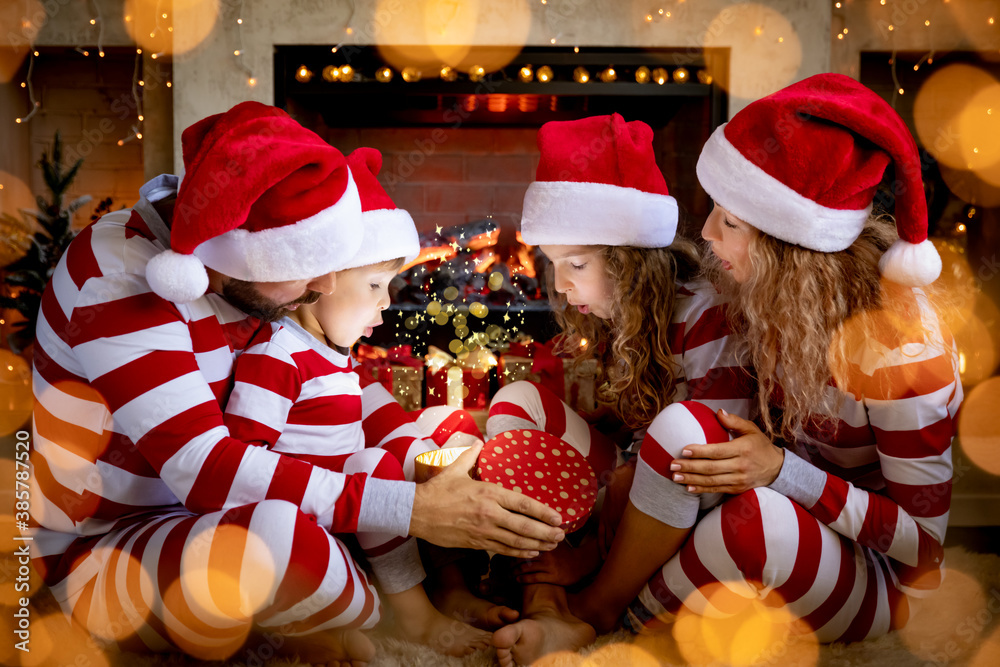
<point x="748" y="461"/>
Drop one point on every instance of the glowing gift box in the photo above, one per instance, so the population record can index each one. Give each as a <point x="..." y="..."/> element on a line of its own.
<point x="429" y="464"/>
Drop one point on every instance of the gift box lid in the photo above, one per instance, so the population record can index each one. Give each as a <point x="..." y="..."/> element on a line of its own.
<point x="543" y="467"/>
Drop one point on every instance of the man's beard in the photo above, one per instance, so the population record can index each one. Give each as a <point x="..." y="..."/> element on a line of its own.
<point x="247" y="298"/>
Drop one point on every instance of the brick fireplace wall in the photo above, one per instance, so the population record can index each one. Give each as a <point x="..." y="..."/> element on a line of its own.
<point x="450" y="176"/>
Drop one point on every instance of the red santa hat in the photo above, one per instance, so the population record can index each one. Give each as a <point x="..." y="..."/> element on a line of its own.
<point x="263" y="200"/>
<point x="598" y="184"/>
<point x="804" y="163"/>
<point x="389" y="232"/>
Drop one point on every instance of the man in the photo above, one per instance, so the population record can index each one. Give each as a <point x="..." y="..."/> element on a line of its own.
<point x="151" y="517"/>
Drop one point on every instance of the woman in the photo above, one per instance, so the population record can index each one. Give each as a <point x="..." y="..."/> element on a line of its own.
<point x="626" y="299"/>
<point x="841" y="497"/>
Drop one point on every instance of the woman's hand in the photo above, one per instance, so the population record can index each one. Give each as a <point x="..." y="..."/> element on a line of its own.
<point x="746" y="462"/>
<point x="454" y="510"/>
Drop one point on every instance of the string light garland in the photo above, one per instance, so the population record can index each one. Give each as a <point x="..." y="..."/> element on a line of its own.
<point x="35" y="104"/>
<point x="238" y="52"/>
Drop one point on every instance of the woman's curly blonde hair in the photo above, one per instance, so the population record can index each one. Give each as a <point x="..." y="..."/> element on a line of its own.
<point x="636" y="372"/>
<point x="802" y="314"/>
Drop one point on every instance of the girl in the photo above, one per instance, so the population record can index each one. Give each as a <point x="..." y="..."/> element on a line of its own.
<point x="627" y="299"/>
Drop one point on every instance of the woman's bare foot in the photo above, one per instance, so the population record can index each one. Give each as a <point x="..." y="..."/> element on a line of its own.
<point x="461" y="603"/>
<point x="545" y="632"/>
<point x="445" y="635"/>
<point x="332" y="648"/>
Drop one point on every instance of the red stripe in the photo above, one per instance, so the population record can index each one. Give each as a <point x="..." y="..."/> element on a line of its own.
<point x="931" y="440"/>
<point x="511" y="409"/>
<point x="81" y="441"/>
<point x="290" y="479"/>
<point x="879" y="527"/>
<point x="841" y="590"/>
<point x="923" y="500"/>
<point x="926" y="574"/>
<point x="675" y="337"/>
<point x="831" y="503"/>
<point x="167" y="439"/>
<point x="662" y="593"/>
<point x="348" y="505"/>
<point x="215" y="476"/>
<point x="251" y="431"/>
<point x="53" y="314"/>
<point x="207" y="335"/>
<point x="386" y="547"/>
<point x="705" y="416"/>
<point x="722" y="383"/>
<point x="146" y="373"/>
<point x="710" y="326"/>
<point x="335" y="410"/>
<point x="862" y="623"/>
<point x="125" y="315"/>
<point x="807" y="558"/>
<point x="554" y="410"/>
<point x="656" y="456"/>
<point x="603" y="454"/>
<point x="398" y="447"/>
<point x="382" y="422"/>
<point x="307" y="567"/>
<point x="743" y="534"/>
<point x="136" y="226"/>
<point x="312" y="364"/>
<point x="275" y="375"/>
<point x="335" y="608"/>
<point x="81" y="264"/>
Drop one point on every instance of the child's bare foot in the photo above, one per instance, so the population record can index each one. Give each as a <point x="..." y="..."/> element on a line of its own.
<point x="332" y="648"/>
<point x="461" y="603"/>
<point x="546" y="631"/>
<point x="445" y="635"/>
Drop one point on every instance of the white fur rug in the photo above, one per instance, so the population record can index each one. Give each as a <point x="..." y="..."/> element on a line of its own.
<point x="958" y="625"/>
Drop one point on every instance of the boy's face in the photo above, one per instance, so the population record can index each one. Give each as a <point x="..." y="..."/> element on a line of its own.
<point x="356" y="305"/>
<point x="581" y="274"/>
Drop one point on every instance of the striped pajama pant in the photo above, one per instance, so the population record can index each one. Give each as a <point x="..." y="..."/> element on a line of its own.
<point x="757" y="545"/>
<point x="201" y="583"/>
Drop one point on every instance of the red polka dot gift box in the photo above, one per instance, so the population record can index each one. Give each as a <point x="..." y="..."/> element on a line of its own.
<point x="543" y="467"/>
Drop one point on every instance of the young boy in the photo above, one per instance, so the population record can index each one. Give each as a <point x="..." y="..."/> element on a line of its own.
<point x="295" y="383"/>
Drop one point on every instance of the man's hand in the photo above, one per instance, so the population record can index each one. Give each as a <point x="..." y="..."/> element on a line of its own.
<point x="748" y="461"/>
<point x="454" y="510"/>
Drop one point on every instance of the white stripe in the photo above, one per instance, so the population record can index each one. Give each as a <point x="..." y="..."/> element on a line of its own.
<point x="61" y="353"/>
<point x="825" y="579"/>
<point x="198" y="579"/>
<point x="259" y="404"/>
<point x="905" y="545"/>
<point x="917" y="472"/>
<point x="934" y="525"/>
<point x="90" y="415"/>
<point x="852" y="517"/>
<point x="777" y="511"/>
<point x="841" y="620"/>
<point x="714" y="556"/>
<point x="107" y="481"/>
<point x="150" y="409"/>
<point x="215" y="365"/>
<point x="65" y="289"/>
<point x="109" y="288"/>
<point x="373" y="397"/>
<point x="181" y="470"/>
<point x="321" y="494"/>
<point x="880" y="622"/>
<point x="332" y="385"/>
<point x="103" y="355"/>
<point x="577" y="431"/>
<point x="909" y="414"/>
<point x="337" y="573"/>
<point x="321" y="440"/>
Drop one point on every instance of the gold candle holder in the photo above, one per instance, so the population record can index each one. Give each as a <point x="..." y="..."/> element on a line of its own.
<point x="429" y="464"/>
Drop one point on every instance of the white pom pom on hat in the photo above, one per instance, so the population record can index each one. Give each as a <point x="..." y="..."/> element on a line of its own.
<point x="176" y="277"/>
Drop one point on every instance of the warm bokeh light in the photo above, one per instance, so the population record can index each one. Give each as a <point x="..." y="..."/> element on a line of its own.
<point x="18" y="36"/>
<point x="126" y="610"/>
<point x="16" y="233"/>
<point x="988" y="654"/>
<point x="428" y="34"/>
<point x="760" y="64"/>
<point x="55" y="640"/>
<point x="978" y="341"/>
<point x="978" y="427"/>
<point x="184" y="28"/>
<point x="951" y="102"/>
<point x="970" y="186"/>
<point x="15" y="392"/>
<point x="932" y="631"/>
<point x="620" y="653"/>
<point x="88" y="436"/>
<point x="741" y="631"/>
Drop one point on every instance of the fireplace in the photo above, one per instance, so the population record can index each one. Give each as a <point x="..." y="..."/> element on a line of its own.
<point x="459" y="151"/>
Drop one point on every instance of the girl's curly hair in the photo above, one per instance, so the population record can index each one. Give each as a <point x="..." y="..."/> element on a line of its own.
<point x="636" y="372"/>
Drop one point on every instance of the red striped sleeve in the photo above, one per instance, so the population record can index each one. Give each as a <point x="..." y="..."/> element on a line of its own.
<point x="327" y="411"/>
<point x="121" y="316"/>
<point x="81" y="261"/>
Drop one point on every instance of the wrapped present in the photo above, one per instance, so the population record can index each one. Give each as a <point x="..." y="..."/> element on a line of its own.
<point x="536" y="362"/>
<point x="543" y="467"/>
<point x="373" y="365"/>
<point x="460" y="383"/>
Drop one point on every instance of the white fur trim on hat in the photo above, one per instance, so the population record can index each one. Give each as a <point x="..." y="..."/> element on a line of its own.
<point x="911" y="264"/>
<point x="573" y="213"/>
<point x="389" y="234"/>
<point x="176" y="277"/>
<point x="307" y="249"/>
<point x="761" y="200"/>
